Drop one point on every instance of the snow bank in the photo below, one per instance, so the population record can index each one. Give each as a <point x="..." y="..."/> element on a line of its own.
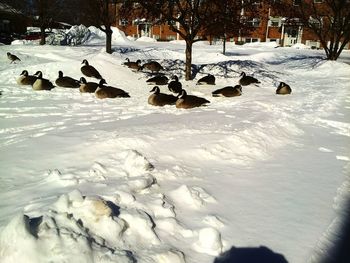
<point x="146" y="39"/>
<point x="300" y="46"/>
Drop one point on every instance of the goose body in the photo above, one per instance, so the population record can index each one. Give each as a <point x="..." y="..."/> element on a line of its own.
<point x="189" y="101"/>
<point x="153" y="66"/>
<point x="26" y="79"/>
<point x="89" y="71"/>
<point x="158" y="80"/>
<point x="133" y="65"/>
<point x="103" y="92"/>
<point x="87" y="87"/>
<point x="228" y="91"/>
<point x="207" y="80"/>
<point x="42" y="84"/>
<point x="160" y="99"/>
<point x="66" y="82"/>
<point x="175" y="85"/>
<point x="12" y="58"/>
<point x="247" y="80"/>
<point x="283" y="89"/>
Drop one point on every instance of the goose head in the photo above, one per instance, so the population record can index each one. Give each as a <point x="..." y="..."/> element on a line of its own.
<point x="60" y="74"/>
<point x="83" y="80"/>
<point x="24" y="73"/>
<point x="85" y="62"/>
<point x="242" y="74"/>
<point x="155" y="90"/>
<point x="182" y="94"/>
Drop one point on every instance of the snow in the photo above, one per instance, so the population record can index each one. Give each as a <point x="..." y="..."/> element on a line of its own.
<point x="118" y="180"/>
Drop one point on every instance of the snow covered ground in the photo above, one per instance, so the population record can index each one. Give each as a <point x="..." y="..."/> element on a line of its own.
<point x="118" y="180"/>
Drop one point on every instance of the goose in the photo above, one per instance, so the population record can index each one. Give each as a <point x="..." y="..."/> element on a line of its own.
<point x="228" y="91"/>
<point x="153" y="66"/>
<point x="87" y="87"/>
<point x="247" y="80"/>
<point x="208" y="80"/>
<point x="103" y="92"/>
<point x="12" y="57"/>
<point x="161" y="99"/>
<point x="89" y="71"/>
<point x="175" y="85"/>
<point x="189" y="101"/>
<point x="42" y="84"/>
<point x="158" y="80"/>
<point x="133" y="65"/>
<point x="66" y="82"/>
<point x="26" y="79"/>
<point x="283" y="89"/>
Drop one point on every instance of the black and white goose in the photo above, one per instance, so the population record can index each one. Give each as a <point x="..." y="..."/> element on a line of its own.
<point x="41" y="83"/>
<point x="103" y="92"/>
<point x="87" y="87"/>
<point x="175" y="85"/>
<point x="228" y="91"/>
<point x="90" y="71"/>
<point x="247" y="80"/>
<point x="12" y="58"/>
<point x="26" y="79"/>
<point x="283" y="89"/>
<point x="66" y="82"/>
<point x="185" y="101"/>
<point x="158" y="80"/>
<point x="207" y="80"/>
<point x="161" y="99"/>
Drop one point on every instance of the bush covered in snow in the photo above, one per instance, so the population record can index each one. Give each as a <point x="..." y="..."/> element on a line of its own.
<point x="76" y="35"/>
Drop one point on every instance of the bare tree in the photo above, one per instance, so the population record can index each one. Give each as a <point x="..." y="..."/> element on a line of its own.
<point x="191" y="19"/>
<point x="329" y="20"/>
<point x="101" y="13"/>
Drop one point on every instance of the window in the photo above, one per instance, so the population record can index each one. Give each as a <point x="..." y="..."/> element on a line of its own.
<point x="251" y="40"/>
<point x="255" y="22"/>
<point x="123" y="22"/>
<point x="275" y="21"/>
<point x="296" y="2"/>
<point x="318" y="1"/>
<point x="315" y="23"/>
<point x="170" y="38"/>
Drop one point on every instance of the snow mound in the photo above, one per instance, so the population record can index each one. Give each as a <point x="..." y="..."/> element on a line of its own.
<point x="146" y="39"/>
<point x="136" y="164"/>
<point x="195" y="197"/>
<point x="74" y="36"/>
<point x="300" y="46"/>
<point x="209" y="241"/>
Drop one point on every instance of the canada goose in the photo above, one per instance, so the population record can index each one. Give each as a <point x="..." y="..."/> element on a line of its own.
<point x="228" y="91"/>
<point x="42" y="84"/>
<point x="103" y="92"/>
<point x="26" y="79"/>
<point x="153" y="66"/>
<point x="133" y="65"/>
<point x="189" y="101"/>
<point x="283" y="89"/>
<point x="160" y="99"/>
<point x="88" y="87"/>
<point x="247" y="80"/>
<point x="12" y="57"/>
<point x="89" y="70"/>
<point x="175" y="85"/>
<point x="158" y="80"/>
<point x="206" y="80"/>
<point x="66" y="82"/>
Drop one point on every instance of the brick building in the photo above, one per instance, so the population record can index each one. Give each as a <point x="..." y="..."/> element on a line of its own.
<point x="267" y="26"/>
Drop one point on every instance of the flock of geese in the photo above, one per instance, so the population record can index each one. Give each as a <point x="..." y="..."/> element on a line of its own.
<point x="101" y="90"/>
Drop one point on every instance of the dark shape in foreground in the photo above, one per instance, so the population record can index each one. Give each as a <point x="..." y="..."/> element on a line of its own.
<point x="103" y="92"/>
<point x="250" y="255"/>
<point x="207" y="80"/>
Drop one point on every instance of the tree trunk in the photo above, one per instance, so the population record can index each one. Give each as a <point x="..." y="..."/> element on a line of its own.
<point x="42" y="35"/>
<point x="224" y="45"/>
<point x="109" y="33"/>
<point x="188" y="66"/>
